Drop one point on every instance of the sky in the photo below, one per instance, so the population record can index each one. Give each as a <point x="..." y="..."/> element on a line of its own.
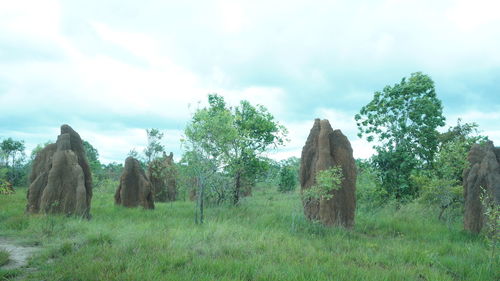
<point x="112" y="69"/>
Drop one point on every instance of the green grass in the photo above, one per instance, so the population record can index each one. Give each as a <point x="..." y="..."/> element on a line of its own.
<point x="4" y="257"/>
<point x="265" y="238"/>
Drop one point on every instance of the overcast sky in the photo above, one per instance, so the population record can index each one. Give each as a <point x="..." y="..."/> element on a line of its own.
<point x="111" y="69"/>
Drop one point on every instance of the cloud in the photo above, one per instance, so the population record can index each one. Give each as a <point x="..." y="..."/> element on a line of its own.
<point x="487" y="121"/>
<point x="112" y="69"/>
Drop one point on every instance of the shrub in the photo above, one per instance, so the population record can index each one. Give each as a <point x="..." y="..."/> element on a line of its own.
<point x="369" y="192"/>
<point x="326" y="181"/>
<point x="441" y="192"/>
<point x="5" y="187"/>
<point x="492" y="222"/>
<point x="288" y="179"/>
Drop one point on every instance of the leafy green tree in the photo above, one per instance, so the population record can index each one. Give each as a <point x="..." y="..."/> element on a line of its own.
<point x="207" y="138"/>
<point x="93" y="157"/>
<point x="269" y="173"/>
<point x="402" y="119"/>
<point x="155" y="148"/>
<point x="235" y="137"/>
<point x="199" y="167"/>
<point x="12" y="153"/>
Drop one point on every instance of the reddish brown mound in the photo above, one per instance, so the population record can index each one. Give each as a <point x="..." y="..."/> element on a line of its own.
<point x="325" y="148"/>
<point x="483" y="173"/>
<point x="60" y="177"/>
<point x="162" y="174"/>
<point x="135" y="188"/>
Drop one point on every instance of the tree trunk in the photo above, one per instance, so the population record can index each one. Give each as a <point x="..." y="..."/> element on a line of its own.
<point x="236" y="195"/>
<point x="12" y="172"/>
<point x="202" y="189"/>
<point x="199" y="207"/>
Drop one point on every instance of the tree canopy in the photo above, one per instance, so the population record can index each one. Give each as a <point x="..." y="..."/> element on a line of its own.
<point x="234" y="137"/>
<point x="403" y="120"/>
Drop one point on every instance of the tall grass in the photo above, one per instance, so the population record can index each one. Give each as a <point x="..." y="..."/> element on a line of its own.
<point x="265" y="238"/>
<point x="4" y="257"/>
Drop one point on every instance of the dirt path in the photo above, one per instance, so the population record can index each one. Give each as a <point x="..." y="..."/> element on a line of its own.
<point x="18" y="254"/>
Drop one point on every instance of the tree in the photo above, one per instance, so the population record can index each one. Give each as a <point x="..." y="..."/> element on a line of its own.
<point x="403" y="120"/>
<point x="234" y="137"/>
<point x="93" y="158"/>
<point x="199" y="167"/>
<point x="155" y="148"/>
<point x="13" y="150"/>
<point x="112" y="171"/>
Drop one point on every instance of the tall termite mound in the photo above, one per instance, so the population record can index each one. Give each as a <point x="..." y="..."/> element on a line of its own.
<point x="483" y="175"/>
<point x="60" y="179"/>
<point x="135" y="188"/>
<point x="162" y="174"/>
<point x="324" y="149"/>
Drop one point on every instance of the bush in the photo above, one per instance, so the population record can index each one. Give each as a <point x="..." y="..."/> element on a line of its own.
<point x="5" y="187"/>
<point x="326" y="181"/>
<point x="442" y="192"/>
<point x="288" y="179"/>
<point x="369" y="192"/>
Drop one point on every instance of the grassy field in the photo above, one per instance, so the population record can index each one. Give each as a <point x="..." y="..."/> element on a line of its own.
<point x="265" y="238"/>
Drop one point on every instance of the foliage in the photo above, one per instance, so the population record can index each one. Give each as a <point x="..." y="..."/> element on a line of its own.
<point x="465" y="132"/>
<point x="442" y="185"/>
<point x="91" y="153"/>
<point x="154" y="148"/>
<point x="326" y="181"/>
<point x="37" y="149"/>
<point x="11" y="148"/>
<point x="112" y="171"/>
<point x="199" y="168"/>
<point x="288" y="176"/>
<point x="5" y="187"/>
<point x="269" y="175"/>
<point x="441" y="192"/>
<point x="491" y="210"/>
<point x="233" y="138"/>
<point x="95" y="165"/>
<point x="288" y="179"/>
<point x="133" y="153"/>
<point x="12" y="156"/>
<point x="368" y="188"/>
<point x="402" y="119"/>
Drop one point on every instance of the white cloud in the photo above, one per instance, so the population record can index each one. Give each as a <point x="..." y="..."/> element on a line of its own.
<point x="299" y="131"/>
<point x="185" y="55"/>
<point x="231" y="16"/>
<point x="471" y="15"/>
<point x="270" y="97"/>
<point x="32" y="20"/>
<point x="339" y="120"/>
<point x="486" y="120"/>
